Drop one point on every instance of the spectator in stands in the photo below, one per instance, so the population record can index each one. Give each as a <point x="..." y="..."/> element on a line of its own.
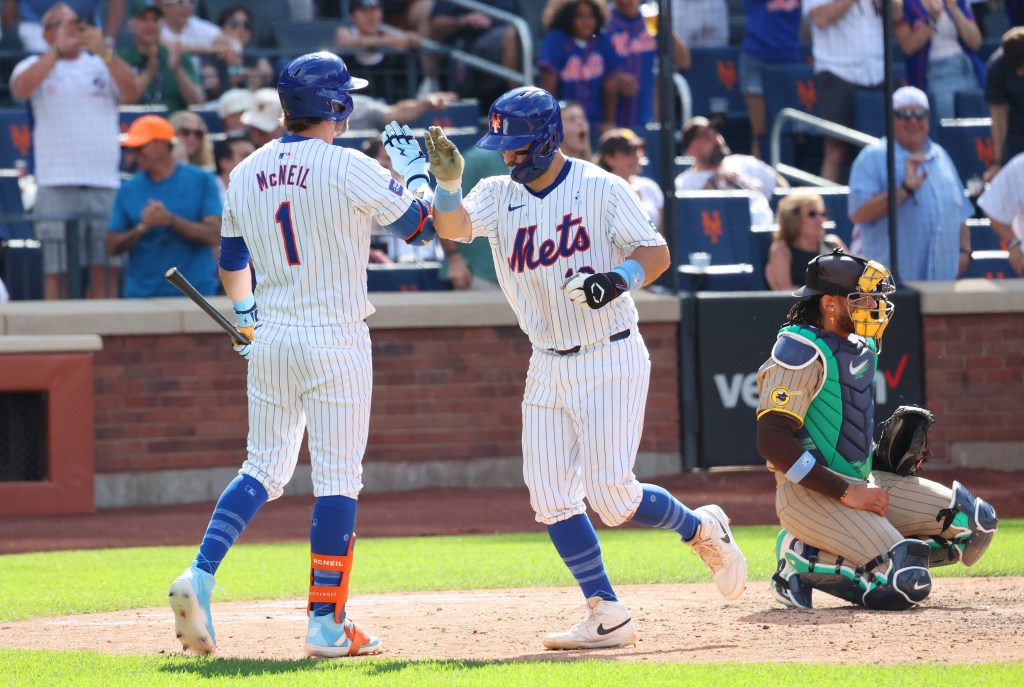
<point x="76" y="167"/>
<point x="230" y="106"/>
<point x="800" y="237"/>
<point x="193" y="139"/>
<point x="716" y="168"/>
<point x="470" y="266"/>
<point x="701" y="23"/>
<point x="374" y="114"/>
<point x="576" y="130"/>
<point x="167" y="215"/>
<point x="384" y="69"/>
<point x="263" y="119"/>
<point x="479" y="34"/>
<point x="846" y="41"/>
<point x="772" y="37"/>
<point x="1003" y="202"/>
<point x="940" y="40"/>
<point x="577" y="60"/>
<point x="228" y="152"/>
<point x="195" y="35"/>
<point x="619" y="152"/>
<point x="1004" y="92"/>
<point x="932" y="241"/>
<point x="27" y="15"/>
<point x="247" y="71"/>
<point x="638" y="50"/>
<point x="164" y="74"/>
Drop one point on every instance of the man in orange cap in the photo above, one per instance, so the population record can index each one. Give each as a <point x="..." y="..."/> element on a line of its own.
<point x="167" y="215"/>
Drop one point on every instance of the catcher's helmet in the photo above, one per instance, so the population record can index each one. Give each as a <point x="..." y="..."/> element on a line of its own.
<point x="317" y="85"/>
<point x="867" y="284"/>
<point x="525" y="116"/>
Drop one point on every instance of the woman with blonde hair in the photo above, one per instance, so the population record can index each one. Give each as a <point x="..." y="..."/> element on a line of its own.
<point x="194" y="145"/>
<point x="800" y="237"/>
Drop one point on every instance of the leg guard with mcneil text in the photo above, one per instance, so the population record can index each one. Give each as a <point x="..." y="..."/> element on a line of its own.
<point x="903" y="581"/>
<point x="973" y="521"/>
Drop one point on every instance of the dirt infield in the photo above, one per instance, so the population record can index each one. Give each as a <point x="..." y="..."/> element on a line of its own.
<point x="676" y="623"/>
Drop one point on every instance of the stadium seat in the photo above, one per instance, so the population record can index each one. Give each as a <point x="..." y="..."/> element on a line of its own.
<point x="461" y="113"/>
<point x="400" y="277"/>
<point x="21" y="268"/>
<point x="713" y="79"/>
<point x="296" y="38"/>
<point x="792" y="86"/>
<point x="989" y="264"/>
<point x="718" y="223"/>
<point x="15" y="137"/>
<point x="969" y="144"/>
<point x="10" y="204"/>
<point x="983" y="238"/>
<point x="970" y="104"/>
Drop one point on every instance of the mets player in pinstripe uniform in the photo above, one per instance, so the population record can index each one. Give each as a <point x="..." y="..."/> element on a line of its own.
<point x="863" y="535"/>
<point x="300" y="209"/>
<point x="569" y="242"/>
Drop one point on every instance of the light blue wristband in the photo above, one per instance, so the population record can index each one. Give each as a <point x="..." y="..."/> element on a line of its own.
<point x="246" y="305"/>
<point x="447" y="202"/>
<point x="801" y="467"/>
<point x="633" y="273"/>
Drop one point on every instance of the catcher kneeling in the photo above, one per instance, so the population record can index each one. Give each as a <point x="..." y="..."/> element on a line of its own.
<point x="858" y="524"/>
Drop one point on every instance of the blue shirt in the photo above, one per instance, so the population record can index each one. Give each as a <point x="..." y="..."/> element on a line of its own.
<point x="773" y="30"/>
<point x="190" y="193"/>
<point x="638" y="50"/>
<point x="928" y="240"/>
<point x="580" y="69"/>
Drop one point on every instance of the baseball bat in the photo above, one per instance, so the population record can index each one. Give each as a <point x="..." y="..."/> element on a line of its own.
<point x="183" y="285"/>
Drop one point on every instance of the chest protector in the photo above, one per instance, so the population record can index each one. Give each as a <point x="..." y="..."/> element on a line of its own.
<point x="839" y="424"/>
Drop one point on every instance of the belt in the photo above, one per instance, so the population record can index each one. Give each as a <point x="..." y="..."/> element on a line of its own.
<point x="624" y="334"/>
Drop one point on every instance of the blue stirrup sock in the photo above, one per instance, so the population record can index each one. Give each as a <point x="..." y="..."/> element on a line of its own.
<point x="576" y="542"/>
<point x="235" y="508"/>
<point x="334" y="521"/>
<point x="658" y="508"/>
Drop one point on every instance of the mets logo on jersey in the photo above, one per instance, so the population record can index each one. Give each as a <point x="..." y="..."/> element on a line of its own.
<point x="496" y="123"/>
<point x="781" y="396"/>
<point x="528" y="254"/>
<point x="396" y="188"/>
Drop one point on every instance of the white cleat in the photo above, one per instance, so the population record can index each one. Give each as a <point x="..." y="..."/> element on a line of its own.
<point x="189" y="598"/>
<point x="608" y="624"/>
<point x="715" y="545"/>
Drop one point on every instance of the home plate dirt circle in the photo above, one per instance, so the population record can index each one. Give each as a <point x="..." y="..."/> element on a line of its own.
<point x="676" y="623"/>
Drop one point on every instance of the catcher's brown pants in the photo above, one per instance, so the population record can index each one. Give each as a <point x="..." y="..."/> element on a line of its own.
<point x="860" y="535"/>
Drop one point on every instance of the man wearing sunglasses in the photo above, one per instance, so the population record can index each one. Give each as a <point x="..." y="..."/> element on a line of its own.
<point x="933" y="241"/>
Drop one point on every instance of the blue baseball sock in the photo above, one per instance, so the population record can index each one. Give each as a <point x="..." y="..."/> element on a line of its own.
<point x="235" y="509"/>
<point x="334" y="521"/>
<point x="576" y="542"/>
<point x="658" y="508"/>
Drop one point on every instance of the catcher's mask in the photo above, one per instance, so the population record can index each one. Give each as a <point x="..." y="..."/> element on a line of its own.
<point x="866" y="283"/>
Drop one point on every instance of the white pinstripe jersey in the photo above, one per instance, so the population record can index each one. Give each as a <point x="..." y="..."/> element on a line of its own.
<point x="587" y="220"/>
<point x="1003" y="200"/>
<point x="303" y="207"/>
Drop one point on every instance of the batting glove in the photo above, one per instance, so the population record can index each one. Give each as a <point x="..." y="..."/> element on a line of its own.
<point x="406" y="155"/>
<point x="446" y="163"/>
<point x="594" y="291"/>
<point x="246" y="320"/>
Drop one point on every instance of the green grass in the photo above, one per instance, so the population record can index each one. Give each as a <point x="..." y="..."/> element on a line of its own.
<point x="112" y="579"/>
<point x="83" y="669"/>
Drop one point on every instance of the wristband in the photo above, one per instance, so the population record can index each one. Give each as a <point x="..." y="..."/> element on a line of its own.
<point x="451" y="185"/>
<point x="906" y="188"/>
<point x="445" y="201"/>
<point x="246" y="305"/>
<point x="801" y="467"/>
<point x="633" y="273"/>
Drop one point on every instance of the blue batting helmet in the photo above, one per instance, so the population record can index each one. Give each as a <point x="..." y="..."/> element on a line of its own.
<point x="317" y="85"/>
<point x="525" y="115"/>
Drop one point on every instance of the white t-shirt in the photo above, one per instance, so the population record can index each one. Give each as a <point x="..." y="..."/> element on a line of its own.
<point x="754" y="174"/>
<point x="196" y="31"/>
<point x="1003" y="200"/>
<point x="651" y="197"/>
<point x="851" y="47"/>
<point x="76" y="123"/>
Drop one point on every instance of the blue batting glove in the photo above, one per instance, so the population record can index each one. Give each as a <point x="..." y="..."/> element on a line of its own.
<point x="407" y="157"/>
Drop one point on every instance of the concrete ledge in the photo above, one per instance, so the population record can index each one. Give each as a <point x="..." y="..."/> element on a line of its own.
<point x="50" y="344"/>
<point x="993" y="455"/>
<point x="970" y="296"/>
<point x="167" y="487"/>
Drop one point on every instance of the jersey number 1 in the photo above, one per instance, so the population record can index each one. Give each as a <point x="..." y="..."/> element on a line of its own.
<point x="284" y="220"/>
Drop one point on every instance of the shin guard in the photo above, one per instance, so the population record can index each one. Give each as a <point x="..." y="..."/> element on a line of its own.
<point x="331" y="595"/>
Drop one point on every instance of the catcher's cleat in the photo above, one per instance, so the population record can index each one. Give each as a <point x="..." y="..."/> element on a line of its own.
<point x="715" y="545"/>
<point x="608" y="624"/>
<point x="786" y="586"/>
<point x="189" y="598"/>
<point x="328" y="639"/>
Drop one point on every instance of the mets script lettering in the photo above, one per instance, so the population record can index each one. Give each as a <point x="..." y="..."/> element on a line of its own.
<point x="572" y="237"/>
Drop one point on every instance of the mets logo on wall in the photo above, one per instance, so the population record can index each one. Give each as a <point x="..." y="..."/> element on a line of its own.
<point x="496" y="123"/>
<point x="781" y="396"/>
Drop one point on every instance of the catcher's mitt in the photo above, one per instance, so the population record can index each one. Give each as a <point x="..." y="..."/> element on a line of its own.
<point x="903" y="446"/>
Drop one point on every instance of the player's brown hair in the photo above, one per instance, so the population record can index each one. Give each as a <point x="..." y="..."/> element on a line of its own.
<point x="298" y="124"/>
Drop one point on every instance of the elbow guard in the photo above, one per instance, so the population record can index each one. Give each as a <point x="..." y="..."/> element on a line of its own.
<point x="416" y="226"/>
<point x="234" y="254"/>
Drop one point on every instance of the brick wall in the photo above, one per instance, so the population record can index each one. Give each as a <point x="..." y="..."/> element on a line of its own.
<point x="974" y="369"/>
<point x="178" y="401"/>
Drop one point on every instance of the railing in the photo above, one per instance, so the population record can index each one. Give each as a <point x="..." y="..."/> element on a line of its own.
<point x="833" y="130"/>
<point x="525" y="77"/>
<point x="685" y="96"/>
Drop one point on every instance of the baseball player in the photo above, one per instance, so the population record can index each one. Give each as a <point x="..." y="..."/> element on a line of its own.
<point x="863" y="535"/>
<point x="570" y="241"/>
<point x="300" y="209"/>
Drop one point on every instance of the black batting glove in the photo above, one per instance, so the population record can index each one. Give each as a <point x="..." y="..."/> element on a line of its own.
<point x="596" y="290"/>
